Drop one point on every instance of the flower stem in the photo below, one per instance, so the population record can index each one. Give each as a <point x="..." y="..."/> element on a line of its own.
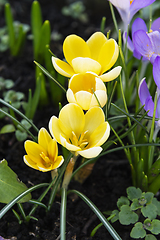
<point x="66" y="181"/>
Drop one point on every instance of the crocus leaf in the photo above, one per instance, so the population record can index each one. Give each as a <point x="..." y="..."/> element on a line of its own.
<point x="156" y="226"/>
<point x="134" y="193"/>
<point x="127" y="216"/>
<point x="138" y="231"/>
<point x="10" y="185"/>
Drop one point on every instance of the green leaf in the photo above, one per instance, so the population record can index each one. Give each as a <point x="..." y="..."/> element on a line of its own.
<point x="116" y="217"/>
<point x="21" y="136"/>
<point x="149" y="211"/>
<point x="148" y="224"/>
<point x="157" y="204"/>
<point x="127" y="216"/>
<point x="156" y="226"/>
<point x="150" y="237"/>
<point x="154" y="171"/>
<point x="138" y="231"/>
<point x="136" y="205"/>
<point x="134" y="193"/>
<point x="7" y="129"/>
<point x="122" y="201"/>
<point x="10" y="185"/>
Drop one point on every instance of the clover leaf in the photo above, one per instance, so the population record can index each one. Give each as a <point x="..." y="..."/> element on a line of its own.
<point x="134" y="193"/>
<point x="138" y="231"/>
<point x="127" y="216"/>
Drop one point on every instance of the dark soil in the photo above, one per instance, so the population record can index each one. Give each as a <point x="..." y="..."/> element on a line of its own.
<point x="111" y="175"/>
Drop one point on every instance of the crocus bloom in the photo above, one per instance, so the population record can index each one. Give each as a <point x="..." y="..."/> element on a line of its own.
<point x="128" y="8"/>
<point x="97" y="55"/>
<point x="156" y="71"/>
<point x="147" y="44"/>
<point x="78" y="132"/>
<point x="146" y="99"/>
<point x="43" y="156"/>
<point x="85" y="89"/>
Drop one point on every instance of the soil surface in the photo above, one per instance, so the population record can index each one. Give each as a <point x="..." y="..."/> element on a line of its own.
<point x="111" y="174"/>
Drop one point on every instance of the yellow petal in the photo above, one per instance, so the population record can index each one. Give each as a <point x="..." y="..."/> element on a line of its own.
<point x="111" y="75"/>
<point x="100" y="135"/>
<point x="44" y="138"/>
<point x="93" y="118"/>
<point x="71" y="118"/>
<point x="101" y="95"/>
<point x="62" y="67"/>
<point x="91" y="152"/>
<point x="70" y="96"/>
<point x="100" y="84"/>
<point x="52" y="150"/>
<point x="58" y="162"/>
<point x="34" y="150"/>
<point x="54" y="128"/>
<point x="73" y="47"/>
<point x="83" y="65"/>
<point x="83" y="99"/>
<point x="108" y="55"/>
<point x="84" y="82"/>
<point x="29" y="162"/>
<point x="95" y="43"/>
<point x="68" y="145"/>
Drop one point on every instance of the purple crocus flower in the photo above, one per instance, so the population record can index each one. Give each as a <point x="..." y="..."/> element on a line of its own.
<point x="147" y="44"/>
<point x="128" y="8"/>
<point x="156" y="71"/>
<point x="147" y="101"/>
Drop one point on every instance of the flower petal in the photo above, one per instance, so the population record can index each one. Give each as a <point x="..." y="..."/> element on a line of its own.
<point x="28" y="161"/>
<point x="54" y="128"/>
<point x="143" y="91"/>
<point x="99" y="95"/>
<point x="83" y="99"/>
<point x="111" y="75"/>
<point x="156" y="71"/>
<point x="62" y="67"/>
<point x="100" y="135"/>
<point x="95" y="43"/>
<point x="93" y="118"/>
<point x="156" y="25"/>
<point x="44" y="138"/>
<point x="69" y="146"/>
<point x="91" y="152"/>
<point x="73" y="47"/>
<point x="142" y="44"/>
<point x="34" y="150"/>
<point x="52" y="150"/>
<point x="59" y="161"/>
<point x="138" y="24"/>
<point x="70" y="96"/>
<point x="108" y="55"/>
<point x="83" y="65"/>
<point x="155" y="39"/>
<point x="71" y="118"/>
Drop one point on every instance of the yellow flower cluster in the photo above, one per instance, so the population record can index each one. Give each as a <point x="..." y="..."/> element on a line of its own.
<point x="83" y="133"/>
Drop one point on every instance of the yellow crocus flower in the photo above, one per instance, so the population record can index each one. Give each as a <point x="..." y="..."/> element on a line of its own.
<point x="78" y="132"/>
<point x="87" y="90"/>
<point x="97" y="55"/>
<point x="43" y="156"/>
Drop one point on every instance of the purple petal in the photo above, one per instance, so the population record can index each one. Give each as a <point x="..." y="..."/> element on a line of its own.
<point x="142" y="44"/>
<point x="149" y="105"/>
<point x="129" y="42"/>
<point x="156" y="71"/>
<point x="143" y="91"/>
<point x="158" y="108"/>
<point x="139" y="24"/>
<point x="136" y="5"/>
<point x="155" y="40"/>
<point x="156" y="25"/>
<point x="137" y="54"/>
